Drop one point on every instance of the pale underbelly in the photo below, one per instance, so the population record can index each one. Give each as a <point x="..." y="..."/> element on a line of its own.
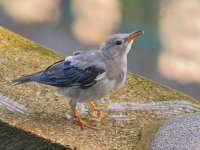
<point x="96" y="92"/>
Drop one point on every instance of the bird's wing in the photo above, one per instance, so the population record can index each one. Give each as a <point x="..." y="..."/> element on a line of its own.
<point x="77" y="71"/>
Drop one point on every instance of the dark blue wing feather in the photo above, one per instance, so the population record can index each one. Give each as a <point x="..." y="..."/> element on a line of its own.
<point x="63" y="74"/>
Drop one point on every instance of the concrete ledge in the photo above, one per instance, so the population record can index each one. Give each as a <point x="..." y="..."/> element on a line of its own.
<point x="37" y="109"/>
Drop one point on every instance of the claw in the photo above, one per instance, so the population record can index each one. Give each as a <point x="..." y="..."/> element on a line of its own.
<point x="79" y="120"/>
<point x="99" y="112"/>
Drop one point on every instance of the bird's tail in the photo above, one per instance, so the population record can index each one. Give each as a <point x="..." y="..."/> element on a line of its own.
<point x="27" y="78"/>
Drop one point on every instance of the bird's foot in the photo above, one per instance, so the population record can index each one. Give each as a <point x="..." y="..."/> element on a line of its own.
<point x="80" y="121"/>
<point x="99" y="112"/>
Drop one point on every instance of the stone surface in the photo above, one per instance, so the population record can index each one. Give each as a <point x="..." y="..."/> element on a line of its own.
<point x="36" y="108"/>
<point x="179" y="133"/>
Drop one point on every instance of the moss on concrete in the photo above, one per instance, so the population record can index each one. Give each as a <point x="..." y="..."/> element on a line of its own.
<point x="46" y="115"/>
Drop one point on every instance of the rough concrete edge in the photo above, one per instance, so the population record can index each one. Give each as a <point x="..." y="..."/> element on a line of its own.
<point x="164" y="86"/>
<point x="45" y="49"/>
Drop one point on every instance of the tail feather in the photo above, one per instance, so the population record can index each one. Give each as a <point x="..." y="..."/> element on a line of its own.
<point x="27" y="78"/>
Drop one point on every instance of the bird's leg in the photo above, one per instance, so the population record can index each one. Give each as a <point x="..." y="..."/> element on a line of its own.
<point x="99" y="112"/>
<point x="79" y="120"/>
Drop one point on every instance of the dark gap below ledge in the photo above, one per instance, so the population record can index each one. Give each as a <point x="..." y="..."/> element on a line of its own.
<point x="12" y="138"/>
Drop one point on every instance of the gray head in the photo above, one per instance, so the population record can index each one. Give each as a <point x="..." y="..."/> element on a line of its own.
<point x="118" y="45"/>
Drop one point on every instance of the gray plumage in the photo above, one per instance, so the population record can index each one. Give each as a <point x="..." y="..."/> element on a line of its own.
<point x="89" y="75"/>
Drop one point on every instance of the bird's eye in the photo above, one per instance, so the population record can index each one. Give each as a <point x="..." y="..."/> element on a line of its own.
<point x="118" y="42"/>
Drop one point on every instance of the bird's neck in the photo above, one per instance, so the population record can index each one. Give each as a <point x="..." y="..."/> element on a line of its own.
<point x="116" y="70"/>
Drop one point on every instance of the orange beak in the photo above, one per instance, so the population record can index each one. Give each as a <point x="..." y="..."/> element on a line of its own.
<point x="133" y="35"/>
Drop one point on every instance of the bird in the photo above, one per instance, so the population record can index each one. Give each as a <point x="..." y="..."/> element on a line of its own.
<point x="88" y="75"/>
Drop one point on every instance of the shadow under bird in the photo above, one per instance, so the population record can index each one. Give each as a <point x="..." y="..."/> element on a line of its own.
<point x="88" y="75"/>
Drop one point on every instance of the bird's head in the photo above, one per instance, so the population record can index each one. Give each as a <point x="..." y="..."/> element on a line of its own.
<point x="118" y="45"/>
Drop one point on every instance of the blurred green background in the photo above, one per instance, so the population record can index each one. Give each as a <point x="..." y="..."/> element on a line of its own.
<point x="168" y="52"/>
